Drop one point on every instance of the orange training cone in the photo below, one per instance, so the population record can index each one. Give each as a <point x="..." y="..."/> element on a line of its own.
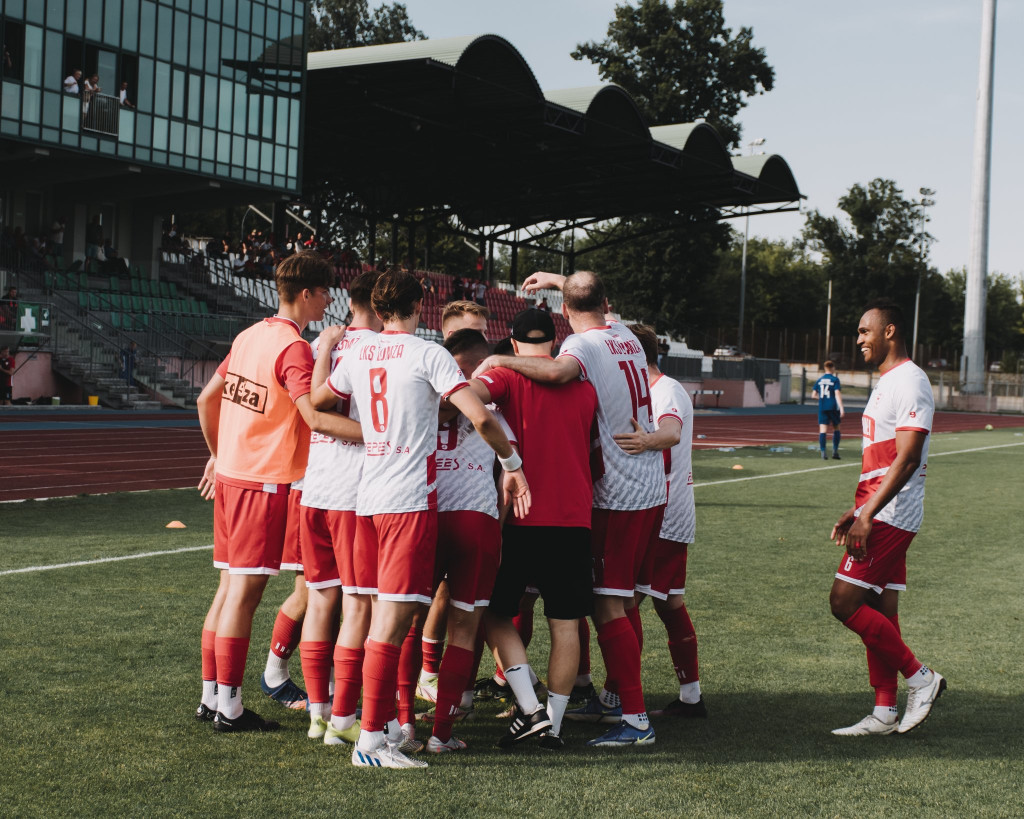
<point x="175" y="524"/>
<point x="738" y="466"/>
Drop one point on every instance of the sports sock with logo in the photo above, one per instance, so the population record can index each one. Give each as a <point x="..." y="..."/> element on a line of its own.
<point x="836" y="437"/>
<point x="380" y="675"/>
<point x="209" y="656"/>
<point x="409" y="664"/>
<point x="682" y="643"/>
<point x="881" y="636"/>
<point x="621" y="654"/>
<point x="231" y="655"/>
<point x="518" y="677"/>
<point x="316" y="669"/>
<point x="608" y="698"/>
<point x="348" y="681"/>
<point x="633" y="615"/>
<point x="283" y="642"/>
<point x="433" y="653"/>
<point x="882" y="676"/>
<point x="922" y="677"/>
<point x="821" y="442"/>
<point x="557" y="703"/>
<point x="455" y="667"/>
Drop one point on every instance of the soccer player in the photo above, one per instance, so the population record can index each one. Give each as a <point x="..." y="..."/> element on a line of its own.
<point x="396" y="382"/>
<point x="627" y="496"/>
<point x="276" y="681"/>
<point x="7" y="377"/>
<point x="876" y="532"/>
<point x="468" y="544"/>
<point x="550" y="547"/>
<point x="457" y="315"/>
<point x="334" y="540"/>
<point x="663" y="577"/>
<point x="830" y="408"/>
<point x="256" y="417"/>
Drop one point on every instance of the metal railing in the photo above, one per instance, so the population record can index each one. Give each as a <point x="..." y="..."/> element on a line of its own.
<point x="101" y="113"/>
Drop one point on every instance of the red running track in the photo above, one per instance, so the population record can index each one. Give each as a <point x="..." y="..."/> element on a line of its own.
<point x="129" y="456"/>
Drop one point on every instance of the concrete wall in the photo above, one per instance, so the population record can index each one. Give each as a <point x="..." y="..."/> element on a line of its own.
<point x="34" y="378"/>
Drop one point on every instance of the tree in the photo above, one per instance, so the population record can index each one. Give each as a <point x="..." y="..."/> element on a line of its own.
<point x="681" y="63"/>
<point x="1004" y="315"/>
<point x="350" y="23"/>
<point x="874" y="251"/>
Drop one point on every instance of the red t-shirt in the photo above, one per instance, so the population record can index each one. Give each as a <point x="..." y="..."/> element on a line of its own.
<point x="554" y="427"/>
<point x="293" y="369"/>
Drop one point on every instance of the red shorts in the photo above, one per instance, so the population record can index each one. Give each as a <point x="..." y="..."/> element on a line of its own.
<point x="468" y="552"/>
<point x="249" y="528"/>
<point x="618" y="543"/>
<point x="406" y="546"/>
<point x="885" y="565"/>
<point x="664" y="569"/>
<point x="291" y="558"/>
<point x="339" y="548"/>
<point x="317" y="540"/>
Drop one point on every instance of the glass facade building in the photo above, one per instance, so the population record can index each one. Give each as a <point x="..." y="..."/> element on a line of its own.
<point x="210" y="87"/>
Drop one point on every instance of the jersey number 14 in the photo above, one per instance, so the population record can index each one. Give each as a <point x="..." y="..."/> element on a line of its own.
<point x="639" y="392"/>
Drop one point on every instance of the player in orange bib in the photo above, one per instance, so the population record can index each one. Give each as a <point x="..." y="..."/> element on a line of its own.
<point x="256" y="418"/>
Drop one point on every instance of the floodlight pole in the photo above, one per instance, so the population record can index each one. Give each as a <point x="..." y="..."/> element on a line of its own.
<point x="743" y="259"/>
<point x="972" y="364"/>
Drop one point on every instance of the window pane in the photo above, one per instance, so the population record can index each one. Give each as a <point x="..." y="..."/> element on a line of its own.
<point x="145" y="92"/>
<point x="33" y="55"/>
<point x="147" y="28"/>
<point x="112" y="23"/>
<point x="126" y="125"/>
<point x="227" y="43"/>
<point x="223" y="147"/>
<point x="163" y="33"/>
<point x="273" y="24"/>
<point x="54" y="68"/>
<point x="31" y="103"/>
<point x="212" y="42"/>
<point x="281" y="135"/>
<point x="94" y="19"/>
<point x="192" y="141"/>
<point x="224" y="111"/>
<point x="293" y="163"/>
<point x="71" y="112"/>
<point x="55" y="15"/>
<point x="267" y="157"/>
<point x="238" y="125"/>
<point x="194" y="96"/>
<point x="181" y="44"/>
<point x="252" y="154"/>
<point x="195" y="54"/>
<point x="258" y="13"/>
<point x="51" y="109"/>
<point x="244" y="14"/>
<point x="209" y="143"/>
<point x="177" y="137"/>
<point x="11" y="105"/>
<point x="143" y="130"/>
<point x="210" y="101"/>
<point x="293" y="124"/>
<point x="268" y="117"/>
<point x="178" y="94"/>
<point x="254" y="114"/>
<point x="106" y="68"/>
<point x="159" y="134"/>
<point x="130" y="25"/>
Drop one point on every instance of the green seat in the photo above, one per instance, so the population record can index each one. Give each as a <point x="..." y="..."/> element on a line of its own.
<point x="173" y="288"/>
<point x="136" y="288"/>
<point x="83" y="281"/>
<point x="204" y="308"/>
<point x="114" y="284"/>
<point x="165" y="290"/>
<point x="83" y="300"/>
<point x="137" y="304"/>
<point x="115" y="320"/>
<point x="95" y="303"/>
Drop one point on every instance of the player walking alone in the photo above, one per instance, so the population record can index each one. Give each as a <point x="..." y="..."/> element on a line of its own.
<point x="830" y="409"/>
<point x="878" y="529"/>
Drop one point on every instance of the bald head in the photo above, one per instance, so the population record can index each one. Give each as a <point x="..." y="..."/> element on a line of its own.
<point x="583" y="292"/>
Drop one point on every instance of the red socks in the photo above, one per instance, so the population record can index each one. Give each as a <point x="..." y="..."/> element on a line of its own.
<point x="286" y="636"/>
<point x="882" y="675"/>
<point x="316" y="668"/>
<point x="209" y="652"/>
<point x="621" y="654"/>
<point x="433" y="653"/>
<point x="584" y="628"/>
<point x="408" y="673"/>
<point x="682" y="644"/>
<point x="380" y="675"/>
<point x="348" y="680"/>
<point x="455" y="668"/>
<point x="633" y="615"/>
<point x="524" y="625"/>
<point x="880" y="636"/>
<point x="231" y="655"/>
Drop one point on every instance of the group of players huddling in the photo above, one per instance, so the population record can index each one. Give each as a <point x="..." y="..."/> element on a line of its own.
<point x="426" y="491"/>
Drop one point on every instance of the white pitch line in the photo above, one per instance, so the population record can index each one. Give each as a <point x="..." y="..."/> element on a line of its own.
<point x="104" y="560"/>
<point x="843" y="466"/>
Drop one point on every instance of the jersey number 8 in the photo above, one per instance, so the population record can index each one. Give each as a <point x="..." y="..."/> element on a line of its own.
<point x="378" y="398"/>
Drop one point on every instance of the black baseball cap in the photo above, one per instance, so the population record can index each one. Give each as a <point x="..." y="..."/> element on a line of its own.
<point x="533" y="321"/>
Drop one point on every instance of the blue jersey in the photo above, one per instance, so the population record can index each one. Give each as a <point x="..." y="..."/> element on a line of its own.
<point x="827" y="386"/>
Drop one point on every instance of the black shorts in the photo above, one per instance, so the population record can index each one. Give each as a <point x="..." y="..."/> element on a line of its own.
<point x="5" y="393"/>
<point x="555" y="559"/>
<point x="829" y="417"/>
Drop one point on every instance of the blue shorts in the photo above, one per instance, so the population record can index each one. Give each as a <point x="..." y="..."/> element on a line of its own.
<point x="829" y="417"/>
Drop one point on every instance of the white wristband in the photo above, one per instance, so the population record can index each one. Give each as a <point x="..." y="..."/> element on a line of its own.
<point x="512" y="462"/>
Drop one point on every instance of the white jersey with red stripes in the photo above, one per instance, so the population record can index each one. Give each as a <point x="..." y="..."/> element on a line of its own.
<point x="465" y="467"/>
<point x="335" y="466"/>
<point x="613" y="361"/>
<point x="902" y="400"/>
<point x="396" y="381"/>
<point x="671" y="401"/>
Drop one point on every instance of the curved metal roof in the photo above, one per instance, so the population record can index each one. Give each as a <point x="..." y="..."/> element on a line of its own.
<point x="461" y="123"/>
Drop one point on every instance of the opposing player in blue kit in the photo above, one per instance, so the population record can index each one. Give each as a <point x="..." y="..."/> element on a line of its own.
<point x="830" y="409"/>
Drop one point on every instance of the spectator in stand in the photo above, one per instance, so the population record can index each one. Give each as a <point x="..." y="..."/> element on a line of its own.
<point x="458" y="290"/>
<point x="113" y="265"/>
<point x="125" y="102"/>
<point x="72" y="81"/>
<point x="9" y="309"/>
<point x="37" y="253"/>
<point x="215" y="249"/>
<point x="663" y="349"/>
<point x="6" y="375"/>
<point x="93" y="243"/>
<point x="544" y="306"/>
<point x="90" y="88"/>
<point x="427" y="284"/>
<point x="57" y="241"/>
<point x="480" y="293"/>
<point x="129" y="358"/>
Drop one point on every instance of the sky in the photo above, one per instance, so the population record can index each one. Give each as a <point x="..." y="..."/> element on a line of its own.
<point x="862" y="90"/>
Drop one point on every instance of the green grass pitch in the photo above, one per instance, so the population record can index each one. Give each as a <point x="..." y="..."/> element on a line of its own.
<point x="99" y="669"/>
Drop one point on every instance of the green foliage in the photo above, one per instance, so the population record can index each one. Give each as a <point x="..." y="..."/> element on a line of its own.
<point x="1004" y="313"/>
<point x="873" y="251"/>
<point x="681" y="63"/>
<point x="350" y="23"/>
